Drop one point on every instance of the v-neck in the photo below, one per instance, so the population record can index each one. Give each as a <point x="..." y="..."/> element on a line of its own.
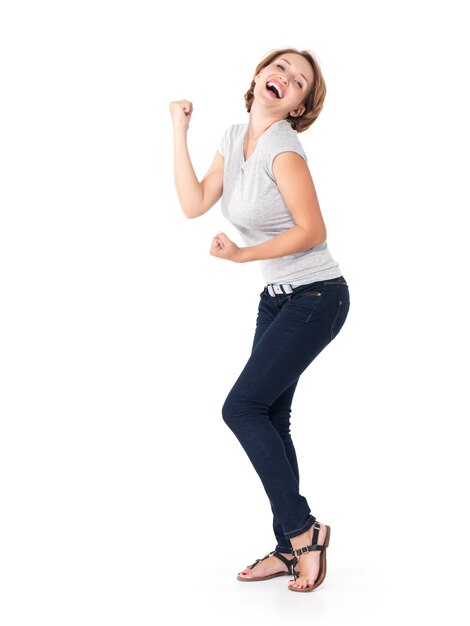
<point x="245" y="161"/>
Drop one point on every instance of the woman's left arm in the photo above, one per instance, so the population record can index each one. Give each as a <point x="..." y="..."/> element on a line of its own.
<point x="296" y="187"/>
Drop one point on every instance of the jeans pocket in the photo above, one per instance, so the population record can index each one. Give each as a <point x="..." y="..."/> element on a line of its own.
<point x="315" y="290"/>
<point x="340" y="317"/>
<point x="306" y="302"/>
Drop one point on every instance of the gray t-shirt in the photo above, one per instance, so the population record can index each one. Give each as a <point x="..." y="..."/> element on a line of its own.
<point x="251" y="201"/>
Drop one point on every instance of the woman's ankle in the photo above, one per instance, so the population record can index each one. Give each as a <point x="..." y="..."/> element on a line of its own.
<point x="301" y="540"/>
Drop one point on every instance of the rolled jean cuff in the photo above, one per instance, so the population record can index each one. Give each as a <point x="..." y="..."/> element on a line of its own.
<point x="298" y="531"/>
<point x="284" y="549"/>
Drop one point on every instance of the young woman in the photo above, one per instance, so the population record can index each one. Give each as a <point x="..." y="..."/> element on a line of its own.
<point x="260" y="171"/>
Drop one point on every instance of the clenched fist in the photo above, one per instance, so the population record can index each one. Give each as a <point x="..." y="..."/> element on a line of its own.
<point x="181" y="111"/>
<point x="224" y="248"/>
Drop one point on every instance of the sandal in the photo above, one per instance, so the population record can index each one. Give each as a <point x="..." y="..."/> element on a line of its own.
<point x="289" y="563"/>
<point x="314" y="546"/>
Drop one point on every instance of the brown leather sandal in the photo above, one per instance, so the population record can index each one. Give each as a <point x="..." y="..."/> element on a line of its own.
<point x="314" y="546"/>
<point x="289" y="563"/>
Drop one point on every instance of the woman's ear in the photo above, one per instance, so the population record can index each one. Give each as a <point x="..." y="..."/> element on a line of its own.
<point x="298" y="112"/>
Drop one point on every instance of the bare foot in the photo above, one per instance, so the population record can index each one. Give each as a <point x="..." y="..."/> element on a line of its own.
<point x="309" y="562"/>
<point x="271" y="565"/>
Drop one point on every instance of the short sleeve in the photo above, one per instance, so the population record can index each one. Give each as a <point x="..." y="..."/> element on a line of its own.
<point x="223" y="142"/>
<point x="290" y="146"/>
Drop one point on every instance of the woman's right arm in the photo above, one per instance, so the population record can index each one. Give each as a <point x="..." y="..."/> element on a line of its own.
<point x="195" y="197"/>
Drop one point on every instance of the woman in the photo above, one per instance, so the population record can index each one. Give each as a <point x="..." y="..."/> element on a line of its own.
<point x="260" y="171"/>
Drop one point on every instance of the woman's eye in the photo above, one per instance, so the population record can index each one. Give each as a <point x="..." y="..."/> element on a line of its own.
<point x="298" y="82"/>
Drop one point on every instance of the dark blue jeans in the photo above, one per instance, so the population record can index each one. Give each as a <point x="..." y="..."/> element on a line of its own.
<point x="291" y="330"/>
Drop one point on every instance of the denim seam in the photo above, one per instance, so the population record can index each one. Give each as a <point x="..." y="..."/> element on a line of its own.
<point x="273" y="420"/>
<point x="340" y="304"/>
<point x="317" y="302"/>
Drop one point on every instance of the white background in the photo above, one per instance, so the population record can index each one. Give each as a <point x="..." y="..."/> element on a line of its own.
<point x="123" y="493"/>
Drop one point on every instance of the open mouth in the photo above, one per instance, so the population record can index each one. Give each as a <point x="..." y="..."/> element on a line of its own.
<point x="274" y="90"/>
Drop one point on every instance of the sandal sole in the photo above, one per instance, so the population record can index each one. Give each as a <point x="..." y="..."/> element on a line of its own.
<point x="259" y="578"/>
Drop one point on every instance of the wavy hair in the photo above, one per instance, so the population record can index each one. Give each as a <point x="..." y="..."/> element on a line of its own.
<point x="314" y="99"/>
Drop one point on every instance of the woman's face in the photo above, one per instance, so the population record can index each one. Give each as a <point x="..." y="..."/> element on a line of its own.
<point x="284" y="83"/>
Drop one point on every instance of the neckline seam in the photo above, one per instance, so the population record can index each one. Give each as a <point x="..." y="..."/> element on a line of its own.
<point x="245" y="161"/>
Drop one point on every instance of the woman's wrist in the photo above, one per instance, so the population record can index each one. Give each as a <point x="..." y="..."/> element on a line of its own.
<point x="179" y="131"/>
<point x="243" y="255"/>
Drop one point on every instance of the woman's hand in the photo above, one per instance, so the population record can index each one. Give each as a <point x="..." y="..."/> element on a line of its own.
<point x="181" y="111"/>
<point x="224" y="248"/>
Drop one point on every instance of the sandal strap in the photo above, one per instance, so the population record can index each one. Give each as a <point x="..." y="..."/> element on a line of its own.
<point x="315" y="546"/>
<point x="289" y="563"/>
<point x="259" y="561"/>
<point x="316" y="532"/>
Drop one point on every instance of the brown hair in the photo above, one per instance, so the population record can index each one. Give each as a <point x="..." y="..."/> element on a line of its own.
<point x="313" y="101"/>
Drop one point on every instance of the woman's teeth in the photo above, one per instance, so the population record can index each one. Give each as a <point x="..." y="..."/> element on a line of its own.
<point x="271" y="93"/>
<point x="274" y="88"/>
